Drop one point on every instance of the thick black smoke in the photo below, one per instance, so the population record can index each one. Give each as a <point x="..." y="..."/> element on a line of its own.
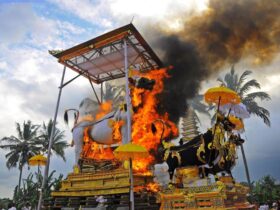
<point x="225" y="33"/>
<point x="185" y="76"/>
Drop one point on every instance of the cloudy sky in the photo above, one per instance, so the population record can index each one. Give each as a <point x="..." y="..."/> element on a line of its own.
<point x="29" y="76"/>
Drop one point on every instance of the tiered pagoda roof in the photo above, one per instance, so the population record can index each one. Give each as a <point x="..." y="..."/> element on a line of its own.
<point x="189" y="125"/>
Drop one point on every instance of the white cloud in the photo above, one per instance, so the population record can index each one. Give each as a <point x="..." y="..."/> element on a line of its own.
<point x="19" y="22"/>
<point x="10" y="104"/>
<point x="3" y="65"/>
<point x="29" y="76"/>
<point x="273" y="83"/>
<point x="109" y="13"/>
<point x="66" y="27"/>
<point x="21" y="25"/>
<point x="155" y="9"/>
<point x="16" y="20"/>
<point x="92" y="11"/>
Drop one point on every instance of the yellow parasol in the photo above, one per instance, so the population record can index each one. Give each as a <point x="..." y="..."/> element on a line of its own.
<point x="237" y="122"/>
<point x="37" y="160"/>
<point x="221" y="95"/>
<point x="130" y="150"/>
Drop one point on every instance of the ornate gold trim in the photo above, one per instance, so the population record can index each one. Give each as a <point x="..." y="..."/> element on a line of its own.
<point x="176" y="154"/>
<point x="200" y="150"/>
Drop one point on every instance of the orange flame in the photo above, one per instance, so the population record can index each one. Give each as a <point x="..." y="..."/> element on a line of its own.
<point x="104" y="109"/>
<point x="146" y="102"/>
<point x="117" y="135"/>
<point x="93" y="150"/>
<point x="153" y="187"/>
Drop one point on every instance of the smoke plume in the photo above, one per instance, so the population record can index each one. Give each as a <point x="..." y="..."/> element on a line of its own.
<point x="225" y="33"/>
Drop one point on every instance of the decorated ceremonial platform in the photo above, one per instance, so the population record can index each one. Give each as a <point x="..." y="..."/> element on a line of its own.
<point x="125" y="151"/>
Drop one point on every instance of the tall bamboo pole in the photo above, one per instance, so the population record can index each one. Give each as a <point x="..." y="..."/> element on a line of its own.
<point x="51" y="141"/>
<point x="246" y="167"/>
<point x="131" y="195"/>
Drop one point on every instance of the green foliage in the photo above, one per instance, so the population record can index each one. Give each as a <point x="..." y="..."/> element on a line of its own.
<point x="4" y="203"/>
<point x="265" y="190"/>
<point x="29" y="191"/>
<point x="58" y="144"/>
<point x="31" y="140"/>
<point x="242" y="86"/>
<point x="22" y="147"/>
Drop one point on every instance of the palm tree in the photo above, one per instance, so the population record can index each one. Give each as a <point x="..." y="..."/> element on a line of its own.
<point x="58" y="144"/>
<point x="22" y="147"/>
<point x="243" y="87"/>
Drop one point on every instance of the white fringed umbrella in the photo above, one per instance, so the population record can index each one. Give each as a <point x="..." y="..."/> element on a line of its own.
<point x="238" y="110"/>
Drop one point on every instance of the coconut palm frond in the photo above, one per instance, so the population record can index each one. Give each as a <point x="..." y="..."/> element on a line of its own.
<point x="12" y="159"/>
<point x="259" y="111"/>
<point x="22" y="147"/>
<point x="10" y="140"/>
<point x="26" y="130"/>
<point x="260" y="95"/>
<point x="248" y="85"/>
<point x="58" y="143"/>
<point x="242" y="87"/>
<point x="243" y="77"/>
<point x="8" y="146"/>
<point x="197" y="104"/>
<point x="59" y="147"/>
<point x="229" y="81"/>
<point x="19" y="131"/>
<point x="34" y="129"/>
<point x="235" y="82"/>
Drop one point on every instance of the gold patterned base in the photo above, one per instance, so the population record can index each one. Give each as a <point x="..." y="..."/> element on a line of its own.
<point x="220" y="196"/>
<point x="99" y="183"/>
<point x="194" y="193"/>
